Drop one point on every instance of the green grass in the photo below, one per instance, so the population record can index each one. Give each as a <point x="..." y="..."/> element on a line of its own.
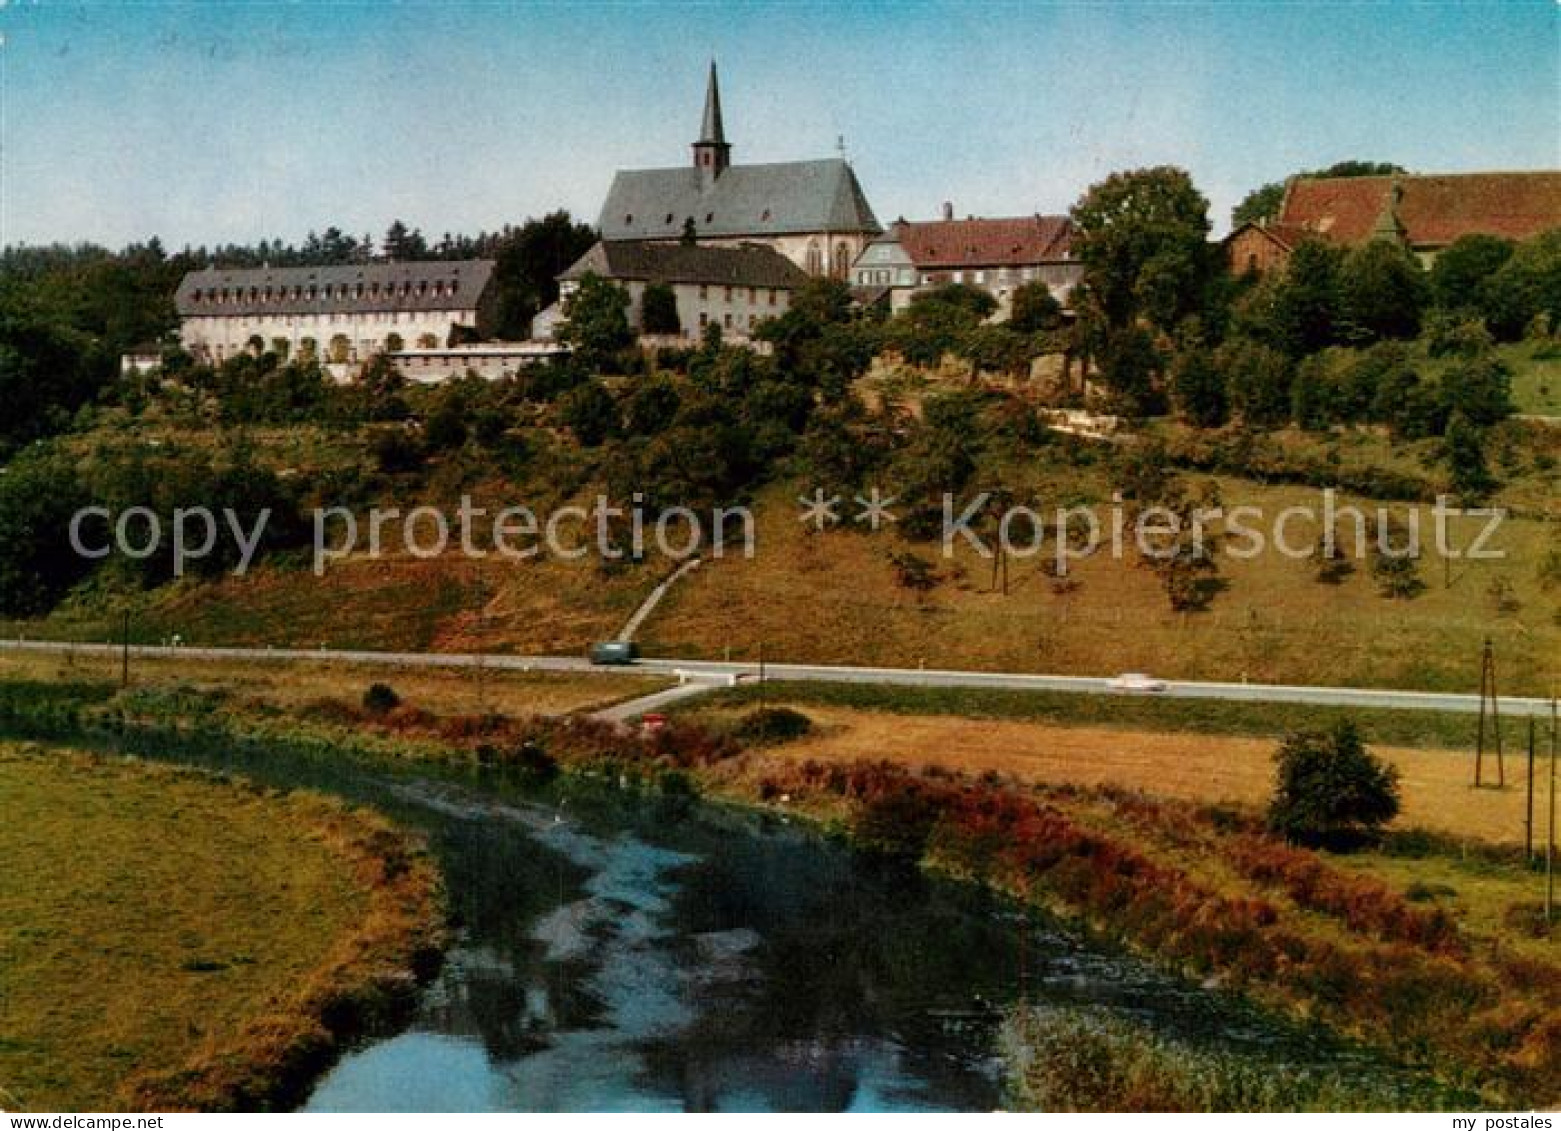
<point x="1536" y="377"/>
<point x="172" y="938"/>
<point x="1420" y="729"/>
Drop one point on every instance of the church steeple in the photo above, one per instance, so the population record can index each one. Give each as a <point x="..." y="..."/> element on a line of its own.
<point x="712" y="153"/>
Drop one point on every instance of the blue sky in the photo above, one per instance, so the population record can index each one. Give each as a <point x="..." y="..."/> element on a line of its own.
<point x="229" y="121"/>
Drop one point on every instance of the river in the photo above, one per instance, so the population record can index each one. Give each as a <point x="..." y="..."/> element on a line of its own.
<point x="617" y="950"/>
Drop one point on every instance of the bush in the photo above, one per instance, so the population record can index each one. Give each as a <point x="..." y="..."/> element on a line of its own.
<point x="1331" y="789"/>
<point x="772" y="724"/>
<point x="380" y="699"/>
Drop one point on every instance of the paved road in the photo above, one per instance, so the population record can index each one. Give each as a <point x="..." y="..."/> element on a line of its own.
<point x="704" y="675"/>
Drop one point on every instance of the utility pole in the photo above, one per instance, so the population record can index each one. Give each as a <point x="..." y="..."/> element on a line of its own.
<point x="1528" y="820"/>
<point x="1550" y="836"/>
<point x="124" y="651"/>
<point x="1488" y="695"/>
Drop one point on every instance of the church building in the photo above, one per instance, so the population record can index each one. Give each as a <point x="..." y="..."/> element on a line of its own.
<point x="812" y="212"/>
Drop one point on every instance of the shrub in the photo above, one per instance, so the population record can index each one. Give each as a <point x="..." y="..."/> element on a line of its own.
<point x="380" y="699"/>
<point x="771" y="725"/>
<point x="1331" y="789"/>
<point x="896" y="823"/>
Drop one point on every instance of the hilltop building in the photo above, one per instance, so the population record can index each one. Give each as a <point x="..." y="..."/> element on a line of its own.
<point x="812" y="212"/>
<point x="996" y="255"/>
<point x="344" y="314"/>
<point x="1424" y="213"/>
<point x="735" y="288"/>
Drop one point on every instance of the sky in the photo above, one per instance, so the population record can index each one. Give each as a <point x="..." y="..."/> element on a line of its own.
<point x="226" y="121"/>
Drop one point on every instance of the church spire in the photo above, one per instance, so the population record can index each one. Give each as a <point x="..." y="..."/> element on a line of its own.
<point x="712" y="153"/>
<point x="712" y="130"/>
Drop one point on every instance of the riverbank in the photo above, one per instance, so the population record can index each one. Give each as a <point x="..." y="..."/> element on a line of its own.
<point x="178" y="940"/>
<point x="1200" y="888"/>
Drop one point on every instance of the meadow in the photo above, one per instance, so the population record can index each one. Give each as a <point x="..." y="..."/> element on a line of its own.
<point x="179" y="940"/>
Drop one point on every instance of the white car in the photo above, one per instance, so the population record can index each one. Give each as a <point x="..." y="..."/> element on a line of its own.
<point x="1135" y="681"/>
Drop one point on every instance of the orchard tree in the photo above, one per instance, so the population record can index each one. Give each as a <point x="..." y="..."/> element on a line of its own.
<point x="1464" y="450"/>
<point x="1143" y="238"/>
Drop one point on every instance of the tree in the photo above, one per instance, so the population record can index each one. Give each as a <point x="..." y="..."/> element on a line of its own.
<point x="1258" y="379"/>
<point x="1258" y="205"/>
<point x="597" y="322"/>
<point x="401" y="244"/>
<point x="1198" y="389"/>
<point x="590" y="412"/>
<point x="1381" y="293"/>
<point x="659" y="310"/>
<point x="1526" y="290"/>
<point x="938" y="322"/>
<point x="1129" y="364"/>
<point x="1331" y="790"/>
<point x="1464" y="450"/>
<point x="1034" y="309"/>
<point x="39" y="492"/>
<point x="527" y="263"/>
<point x="1479" y="389"/>
<point x="1143" y="239"/>
<point x="1460" y="271"/>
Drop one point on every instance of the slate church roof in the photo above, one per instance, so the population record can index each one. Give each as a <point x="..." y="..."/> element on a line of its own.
<point x="354" y="288"/>
<point x="785" y="198"/>
<point x="730" y="201"/>
<point x="755" y="266"/>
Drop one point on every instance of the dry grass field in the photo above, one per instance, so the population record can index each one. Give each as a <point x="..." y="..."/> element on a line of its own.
<point x="1437" y="790"/>
<point x="833" y="598"/>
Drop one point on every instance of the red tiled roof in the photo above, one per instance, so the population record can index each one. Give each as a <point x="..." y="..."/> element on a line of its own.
<point x="1016" y="242"/>
<point x="1286" y="236"/>
<point x="1433" y="210"/>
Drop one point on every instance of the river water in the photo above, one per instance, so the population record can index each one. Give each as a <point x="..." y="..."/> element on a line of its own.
<point x="629" y="951"/>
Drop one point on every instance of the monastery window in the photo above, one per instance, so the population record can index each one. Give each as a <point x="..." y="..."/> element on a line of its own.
<point x="842" y="259"/>
<point x="728" y="294"/>
<point x="422" y="287"/>
<point x="669" y="218"/>
<point x="709" y="217"/>
<point x="455" y="285"/>
<point x="704" y="291"/>
<point x="815" y="258"/>
<point x="772" y="296"/>
<point x="766" y="215"/>
<point x="358" y="291"/>
<point x="628" y="218"/>
<point x="727" y="320"/>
